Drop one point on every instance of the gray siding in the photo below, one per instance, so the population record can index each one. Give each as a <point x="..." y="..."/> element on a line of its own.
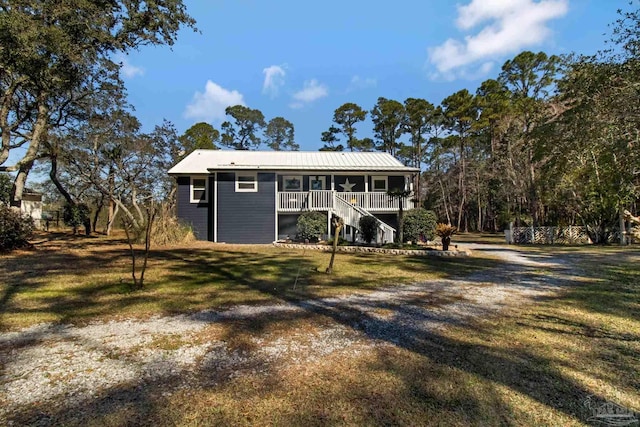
<point x="246" y="217"/>
<point x="195" y="214"/>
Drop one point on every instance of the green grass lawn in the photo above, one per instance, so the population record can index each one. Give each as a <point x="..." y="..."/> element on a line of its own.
<point x="76" y="279"/>
<point x="534" y="364"/>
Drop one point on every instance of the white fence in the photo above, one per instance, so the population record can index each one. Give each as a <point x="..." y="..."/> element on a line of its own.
<point x="548" y="235"/>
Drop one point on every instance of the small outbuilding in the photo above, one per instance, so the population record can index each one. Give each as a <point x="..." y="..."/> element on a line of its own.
<point x="32" y="205"/>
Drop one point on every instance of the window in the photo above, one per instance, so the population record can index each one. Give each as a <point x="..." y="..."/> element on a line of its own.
<point x="317" y="183"/>
<point x="379" y="183"/>
<point x="199" y="189"/>
<point x="292" y="182"/>
<point x="246" y="182"/>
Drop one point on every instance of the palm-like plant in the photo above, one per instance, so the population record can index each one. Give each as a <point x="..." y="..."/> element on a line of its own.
<point x="445" y="231"/>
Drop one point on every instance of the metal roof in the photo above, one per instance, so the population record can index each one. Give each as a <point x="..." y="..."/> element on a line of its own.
<point x="205" y="161"/>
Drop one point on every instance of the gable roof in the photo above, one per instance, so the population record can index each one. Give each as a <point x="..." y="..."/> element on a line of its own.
<point x="205" y="161"/>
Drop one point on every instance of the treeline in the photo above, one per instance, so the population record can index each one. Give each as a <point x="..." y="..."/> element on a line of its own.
<point x="247" y="129"/>
<point x="480" y="152"/>
<point x="551" y="140"/>
<point x="63" y="105"/>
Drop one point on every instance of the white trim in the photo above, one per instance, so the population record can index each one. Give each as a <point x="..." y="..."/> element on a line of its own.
<point x="205" y="199"/>
<point x="215" y="207"/>
<point x="246" y="174"/>
<point x="366" y="183"/>
<point x="384" y="178"/>
<point x="276" y="215"/>
<point x="299" y="178"/>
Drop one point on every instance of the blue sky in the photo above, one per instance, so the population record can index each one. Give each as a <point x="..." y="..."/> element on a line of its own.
<point x="301" y="60"/>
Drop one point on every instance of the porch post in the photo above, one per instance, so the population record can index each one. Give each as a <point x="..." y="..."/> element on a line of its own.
<point x="366" y="192"/>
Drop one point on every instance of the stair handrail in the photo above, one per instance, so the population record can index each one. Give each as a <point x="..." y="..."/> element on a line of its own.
<point x="343" y="209"/>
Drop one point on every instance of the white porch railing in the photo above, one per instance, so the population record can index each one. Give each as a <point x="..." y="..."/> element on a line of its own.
<point x="322" y="200"/>
<point x="376" y="201"/>
<point x="296" y="201"/>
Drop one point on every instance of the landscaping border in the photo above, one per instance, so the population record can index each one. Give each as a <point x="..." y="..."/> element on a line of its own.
<point x="368" y="249"/>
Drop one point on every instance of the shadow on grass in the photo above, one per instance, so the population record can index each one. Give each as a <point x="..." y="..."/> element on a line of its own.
<point x="67" y="278"/>
<point x="430" y="355"/>
<point x="425" y="376"/>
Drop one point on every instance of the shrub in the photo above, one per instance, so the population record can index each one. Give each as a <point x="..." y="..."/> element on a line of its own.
<point x="167" y="229"/>
<point x="419" y="224"/>
<point x="341" y="242"/>
<point x="5" y="188"/>
<point x="76" y="215"/>
<point x="368" y="228"/>
<point x="311" y="225"/>
<point x="15" y="228"/>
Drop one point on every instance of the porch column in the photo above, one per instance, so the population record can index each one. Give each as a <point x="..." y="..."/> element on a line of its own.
<point x="366" y="190"/>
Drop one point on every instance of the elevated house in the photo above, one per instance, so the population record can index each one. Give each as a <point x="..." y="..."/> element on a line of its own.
<point x="257" y="196"/>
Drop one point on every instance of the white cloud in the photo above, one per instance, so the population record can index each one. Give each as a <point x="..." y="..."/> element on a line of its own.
<point x="510" y="26"/>
<point x="311" y="91"/>
<point x="127" y="69"/>
<point x="273" y="79"/>
<point x="210" y="105"/>
<point x="358" y="82"/>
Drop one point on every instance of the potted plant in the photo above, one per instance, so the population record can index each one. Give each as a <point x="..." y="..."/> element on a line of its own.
<point x="445" y="231"/>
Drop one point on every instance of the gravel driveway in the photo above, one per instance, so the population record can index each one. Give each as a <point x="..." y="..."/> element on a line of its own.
<point x="60" y="365"/>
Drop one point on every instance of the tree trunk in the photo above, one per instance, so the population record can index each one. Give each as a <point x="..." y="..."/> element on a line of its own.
<point x="444" y="200"/>
<point x="400" y="219"/>
<point x="5" y="110"/>
<point x="113" y="208"/>
<point x="461" y="211"/>
<point x="99" y="207"/>
<point x="462" y="183"/>
<point x="112" y="212"/>
<point x="337" y="223"/>
<point x="53" y="175"/>
<point x="623" y="229"/>
<point x="26" y="163"/>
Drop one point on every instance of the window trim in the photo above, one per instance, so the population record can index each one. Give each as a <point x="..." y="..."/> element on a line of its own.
<point x="284" y="182"/>
<point x="205" y="199"/>
<point x="254" y="175"/>
<point x="375" y="178"/>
